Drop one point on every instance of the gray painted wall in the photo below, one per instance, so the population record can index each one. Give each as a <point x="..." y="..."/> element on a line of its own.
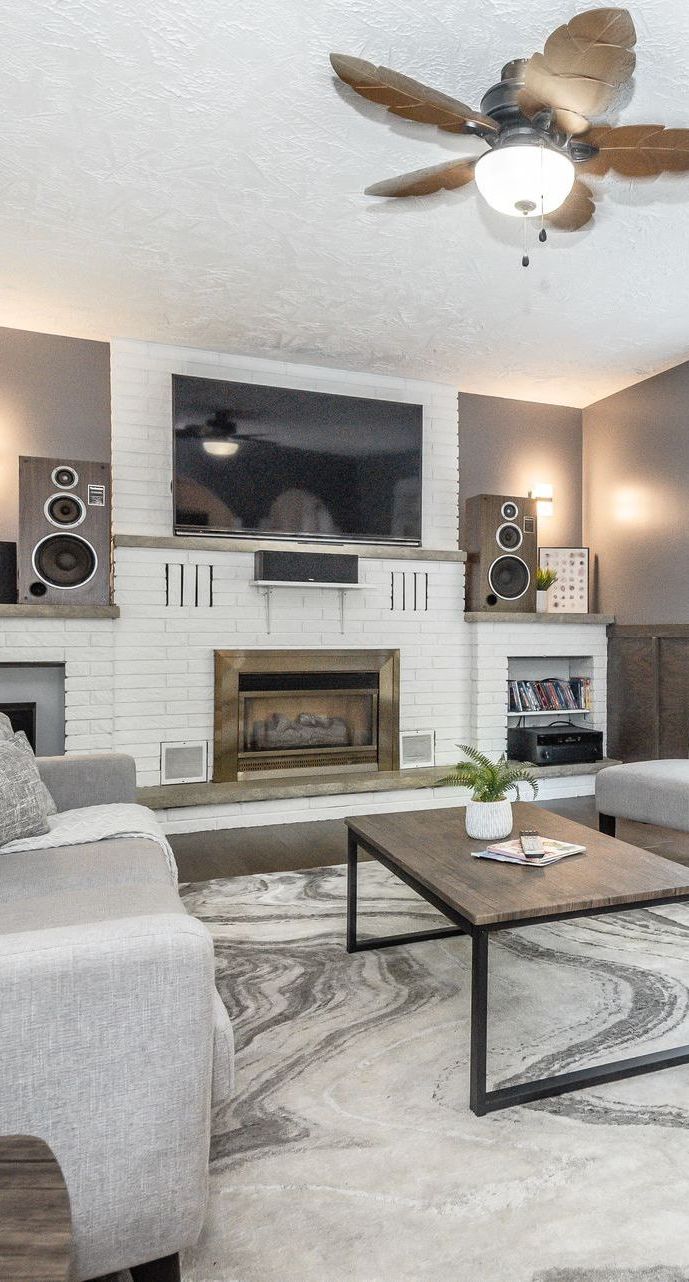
<point x="508" y="446"/>
<point x="636" y="498"/>
<point x="54" y="400"/>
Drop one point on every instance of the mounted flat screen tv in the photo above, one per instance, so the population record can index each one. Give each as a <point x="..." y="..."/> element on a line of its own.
<point x="276" y="462"/>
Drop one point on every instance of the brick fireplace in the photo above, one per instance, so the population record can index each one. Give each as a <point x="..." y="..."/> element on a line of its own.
<point x="305" y="712"/>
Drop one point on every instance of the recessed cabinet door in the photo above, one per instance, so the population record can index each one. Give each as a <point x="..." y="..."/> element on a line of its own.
<point x="673" y="696"/>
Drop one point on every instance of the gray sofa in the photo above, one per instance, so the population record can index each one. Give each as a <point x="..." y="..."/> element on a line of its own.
<point x="113" y="1041"/>
<point x="649" y="792"/>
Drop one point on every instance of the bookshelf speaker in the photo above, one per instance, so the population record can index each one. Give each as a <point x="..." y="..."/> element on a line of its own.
<point x="502" y="550"/>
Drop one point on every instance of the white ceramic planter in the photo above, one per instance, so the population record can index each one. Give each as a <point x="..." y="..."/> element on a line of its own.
<point x="489" y="820"/>
<point x="542" y="602"/>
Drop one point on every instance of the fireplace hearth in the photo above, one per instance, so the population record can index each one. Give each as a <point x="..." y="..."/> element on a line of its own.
<point x="305" y="711"/>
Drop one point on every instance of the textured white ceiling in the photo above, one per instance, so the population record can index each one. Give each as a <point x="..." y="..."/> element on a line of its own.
<point x="190" y="171"/>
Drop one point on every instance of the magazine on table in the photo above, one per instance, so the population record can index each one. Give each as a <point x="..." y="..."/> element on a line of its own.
<point x="510" y="852"/>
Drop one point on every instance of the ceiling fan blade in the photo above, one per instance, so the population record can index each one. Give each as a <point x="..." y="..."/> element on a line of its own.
<point x="408" y="98"/>
<point x="566" y="55"/>
<point x="422" y="182"/>
<point x="581" y="94"/>
<point x="606" y="26"/>
<point x="638" y="151"/>
<point x="583" y="65"/>
<point x="577" y="210"/>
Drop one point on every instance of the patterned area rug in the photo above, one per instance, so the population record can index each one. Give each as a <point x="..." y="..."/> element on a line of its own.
<point x="349" y="1153"/>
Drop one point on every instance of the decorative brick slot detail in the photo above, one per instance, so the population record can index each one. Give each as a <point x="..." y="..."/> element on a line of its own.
<point x="188" y="584"/>
<point x="409" y="591"/>
<point x="305" y="711"/>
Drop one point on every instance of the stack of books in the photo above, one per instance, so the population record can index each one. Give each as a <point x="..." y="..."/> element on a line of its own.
<point x="510" y="852"/>
<point x="552" y="694"/>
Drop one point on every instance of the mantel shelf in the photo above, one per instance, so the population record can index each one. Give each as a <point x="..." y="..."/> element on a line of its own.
<point x="231" y="543"/>
<point x="506" y="616"/>
<point x="59" y="611"/>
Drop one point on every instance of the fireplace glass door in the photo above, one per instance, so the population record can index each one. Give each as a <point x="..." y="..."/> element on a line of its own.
<point x="303" y="728"/>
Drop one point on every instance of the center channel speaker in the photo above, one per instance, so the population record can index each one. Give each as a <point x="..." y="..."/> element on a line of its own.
<point x="63" y="550"/>
<point x="306" y="567"/>
<point x="502" y="551"/>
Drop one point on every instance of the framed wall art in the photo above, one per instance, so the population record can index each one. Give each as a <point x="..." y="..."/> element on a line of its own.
<point x="570" y="593"/>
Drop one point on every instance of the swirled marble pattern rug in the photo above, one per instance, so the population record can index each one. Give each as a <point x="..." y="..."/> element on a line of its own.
<point x="349" y="1153"/>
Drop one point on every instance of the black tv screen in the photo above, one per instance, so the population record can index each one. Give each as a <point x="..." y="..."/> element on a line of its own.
<point x="272" y="461"/>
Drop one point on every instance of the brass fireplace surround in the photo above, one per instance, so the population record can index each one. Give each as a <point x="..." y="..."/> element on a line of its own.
<point x="233" y="665"/>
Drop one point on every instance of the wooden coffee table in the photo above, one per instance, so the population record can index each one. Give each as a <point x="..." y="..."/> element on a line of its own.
<point x="430" y="851"/>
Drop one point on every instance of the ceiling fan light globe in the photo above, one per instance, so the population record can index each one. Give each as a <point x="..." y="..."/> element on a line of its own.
<point x="524" y="180"/>
<point x="221" y="449"/>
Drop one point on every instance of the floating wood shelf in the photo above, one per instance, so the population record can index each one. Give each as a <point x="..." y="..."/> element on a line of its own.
<point x="268" y="586"/>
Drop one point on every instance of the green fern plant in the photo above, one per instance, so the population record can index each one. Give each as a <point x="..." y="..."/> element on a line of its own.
<point x="488" y="780"/>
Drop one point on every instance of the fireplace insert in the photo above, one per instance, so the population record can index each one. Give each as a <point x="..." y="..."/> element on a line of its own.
<point x="305" y="711"/>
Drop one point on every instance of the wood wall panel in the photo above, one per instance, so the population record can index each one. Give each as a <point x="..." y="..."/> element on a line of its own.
<point x="648" y="691"/>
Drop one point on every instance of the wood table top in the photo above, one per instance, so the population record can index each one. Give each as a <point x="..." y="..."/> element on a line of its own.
<point x="433" y="847"/>
<point x="35" y="1220"/>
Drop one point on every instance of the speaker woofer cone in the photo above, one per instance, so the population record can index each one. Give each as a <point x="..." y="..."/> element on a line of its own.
<point x="66" y="510"/>
<point x="509" y="577"/>
<point x="64" y="561"/>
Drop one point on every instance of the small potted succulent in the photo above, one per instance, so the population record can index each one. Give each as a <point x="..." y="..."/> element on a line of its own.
<point x="545" y="578"/>
<point x="489" y="813"/>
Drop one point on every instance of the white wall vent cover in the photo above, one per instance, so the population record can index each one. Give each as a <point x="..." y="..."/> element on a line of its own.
<point x="417" y="748"/>
<point x="183" y="762"/>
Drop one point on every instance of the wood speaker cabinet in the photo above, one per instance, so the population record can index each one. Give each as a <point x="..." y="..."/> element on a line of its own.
<point x="63" y="549"/>
<point x="502" y="553"/>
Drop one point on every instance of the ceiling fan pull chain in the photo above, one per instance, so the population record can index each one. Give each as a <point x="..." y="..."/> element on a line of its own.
<point x="525" y="256"/>
<point x="542" y="235"/>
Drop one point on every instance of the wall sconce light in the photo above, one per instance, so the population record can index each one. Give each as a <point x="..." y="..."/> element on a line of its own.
<point x="543" y="494"/>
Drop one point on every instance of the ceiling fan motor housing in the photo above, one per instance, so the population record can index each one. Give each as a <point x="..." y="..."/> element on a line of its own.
<point x="500" y="101"/>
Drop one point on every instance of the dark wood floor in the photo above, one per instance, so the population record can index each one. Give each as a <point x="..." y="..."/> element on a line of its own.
<point x="287" y="847"/>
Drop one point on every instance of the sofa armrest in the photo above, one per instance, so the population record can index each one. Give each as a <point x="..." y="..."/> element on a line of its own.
<point x="106" y="1051"/>
<point x="92" y="779"/>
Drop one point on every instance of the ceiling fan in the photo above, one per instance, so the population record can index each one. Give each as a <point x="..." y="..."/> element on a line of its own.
<point x="219" y="435"/>
<point x="536" y="124"/>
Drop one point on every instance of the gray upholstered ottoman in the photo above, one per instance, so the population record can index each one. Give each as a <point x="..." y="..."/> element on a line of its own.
<point x="650" y="792"/>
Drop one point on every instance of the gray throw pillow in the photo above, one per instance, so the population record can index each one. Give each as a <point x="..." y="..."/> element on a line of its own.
<point x="8" y="735"/>
<point x="22" y="799"/>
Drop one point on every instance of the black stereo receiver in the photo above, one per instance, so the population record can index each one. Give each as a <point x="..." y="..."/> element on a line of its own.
<point x="554" y="745"/>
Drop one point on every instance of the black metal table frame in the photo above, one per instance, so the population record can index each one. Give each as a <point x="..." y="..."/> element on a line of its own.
<point x="481" y="1099"/>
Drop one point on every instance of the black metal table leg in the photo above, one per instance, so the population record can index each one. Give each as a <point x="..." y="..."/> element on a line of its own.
<point x="479" y="1022"/>
<point x="352" y="871"/>
<point x="484" y="1101"/>
<point x="355" y="945"/>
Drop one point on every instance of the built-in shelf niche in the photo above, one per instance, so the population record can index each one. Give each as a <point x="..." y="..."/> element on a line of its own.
<point x="540" y="668"/>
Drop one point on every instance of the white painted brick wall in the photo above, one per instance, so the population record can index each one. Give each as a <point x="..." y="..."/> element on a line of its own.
<point x="163" y="660"/>
<point x="494" y="644"/>
<point x="147" y="677"/>
<point x="141" y="391"/>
